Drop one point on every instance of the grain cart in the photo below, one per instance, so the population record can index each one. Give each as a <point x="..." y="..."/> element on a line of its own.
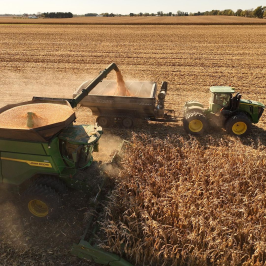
<point x="225" y="110"/>
<point x="42" y="151"/>
<point x="142" y="104"/>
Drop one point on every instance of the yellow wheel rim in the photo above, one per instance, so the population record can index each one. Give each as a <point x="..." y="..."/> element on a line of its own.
<point x="239" y="128"/>
<point x="38" y="208"/>
<point x="195" y="125"/>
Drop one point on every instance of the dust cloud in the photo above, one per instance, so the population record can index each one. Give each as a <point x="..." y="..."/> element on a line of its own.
<point x="11" y="224"/>
<point x="109" y="145"/>
<point x="19" y="87"/>
<point x="118" y="89"/>
<point x="121" y="86"/>
<point x="110" y="152"/>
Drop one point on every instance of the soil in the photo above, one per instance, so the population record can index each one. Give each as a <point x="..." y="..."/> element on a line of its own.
<point x="31" y="242"/>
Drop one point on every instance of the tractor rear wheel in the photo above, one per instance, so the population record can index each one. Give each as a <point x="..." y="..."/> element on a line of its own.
<point x="41" y="202"/>
<point x="238" y="125"/>
<point x="195" y="123"/>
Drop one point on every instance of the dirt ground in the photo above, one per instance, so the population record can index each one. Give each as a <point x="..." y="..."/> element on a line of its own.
<point x="28" y="242"/>
<point x="53" y="60"/>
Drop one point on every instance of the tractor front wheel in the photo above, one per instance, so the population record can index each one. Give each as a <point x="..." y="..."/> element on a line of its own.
<point x="238" y="125"/>
<point x="195" y="123"/>
<point x="41" y="202"/>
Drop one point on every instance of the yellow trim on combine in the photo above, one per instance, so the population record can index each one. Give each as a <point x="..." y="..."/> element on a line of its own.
<point x="38" y="208"/>
<point x="31" y="163"/>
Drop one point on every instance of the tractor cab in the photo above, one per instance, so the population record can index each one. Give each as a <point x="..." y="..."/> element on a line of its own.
<point x="221" y="97"/>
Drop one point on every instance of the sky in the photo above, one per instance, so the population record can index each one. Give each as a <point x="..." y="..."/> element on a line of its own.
<point x="123" y="6"/>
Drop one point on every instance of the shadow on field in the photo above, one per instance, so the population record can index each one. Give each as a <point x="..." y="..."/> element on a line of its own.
<point x="256" y="139"/>
<point x="27" y="238"/>
<point x="153" y="129"/>
<point x="24" y="239"/>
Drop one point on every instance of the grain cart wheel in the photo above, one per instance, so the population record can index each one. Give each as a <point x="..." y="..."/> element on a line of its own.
<point x="103" y="121"/>
<point x="41" y="202"/>
<point x="52" y="182"/>
<point x="195" y="123"/>
<point x="127" y="122"/>
<point x="238" y="125"/>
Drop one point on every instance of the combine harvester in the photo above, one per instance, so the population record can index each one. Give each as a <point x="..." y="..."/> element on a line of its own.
<point x="42" y="153"/>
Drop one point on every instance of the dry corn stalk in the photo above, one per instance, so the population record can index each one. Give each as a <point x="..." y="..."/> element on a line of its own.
<point x="180" y="201"/>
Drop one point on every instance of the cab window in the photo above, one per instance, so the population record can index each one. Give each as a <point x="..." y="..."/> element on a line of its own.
<point x="222" y="99"/>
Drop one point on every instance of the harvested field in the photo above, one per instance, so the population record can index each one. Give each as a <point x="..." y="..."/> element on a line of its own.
<point x="214" y="185"/>
<point x="190" y="20"/>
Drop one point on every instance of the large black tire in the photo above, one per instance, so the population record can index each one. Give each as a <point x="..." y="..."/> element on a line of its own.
<point x="127" y="122"/>
<point x="41" y="202"/>
<point x="238" y="125"/>
<point x="195" y="123"/>
<point x="53" y="182"/>
<point x="104" y="121"/>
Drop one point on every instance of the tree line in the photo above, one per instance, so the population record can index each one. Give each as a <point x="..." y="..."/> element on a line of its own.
<point x="259" y="12"/>
<point x="58" y="15"/>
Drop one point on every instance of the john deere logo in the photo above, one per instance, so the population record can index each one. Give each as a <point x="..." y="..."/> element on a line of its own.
<point x="31" y="163"/>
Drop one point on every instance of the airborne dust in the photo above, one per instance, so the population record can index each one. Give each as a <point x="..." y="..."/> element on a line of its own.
<point x="121" y="86"/>
<point x="44" y="114"/>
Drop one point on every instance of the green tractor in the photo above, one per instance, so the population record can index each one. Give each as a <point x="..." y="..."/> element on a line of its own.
<point x="225" y="111"/>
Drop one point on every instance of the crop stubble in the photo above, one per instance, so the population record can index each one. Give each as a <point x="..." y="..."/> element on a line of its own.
<point x="143" y="20"/>
<point x="190" y="58"/>
<point x="53" y="60"/>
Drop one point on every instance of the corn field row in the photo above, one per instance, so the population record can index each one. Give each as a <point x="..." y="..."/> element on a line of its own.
<point x="180" y="202"/>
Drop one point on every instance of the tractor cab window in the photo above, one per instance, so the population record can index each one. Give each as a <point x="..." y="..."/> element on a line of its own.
<point x="222" y="99"/>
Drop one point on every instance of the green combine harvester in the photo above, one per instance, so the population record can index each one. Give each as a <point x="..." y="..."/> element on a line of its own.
<point x="40" y="159"/>
<point x="225" y="111"/>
